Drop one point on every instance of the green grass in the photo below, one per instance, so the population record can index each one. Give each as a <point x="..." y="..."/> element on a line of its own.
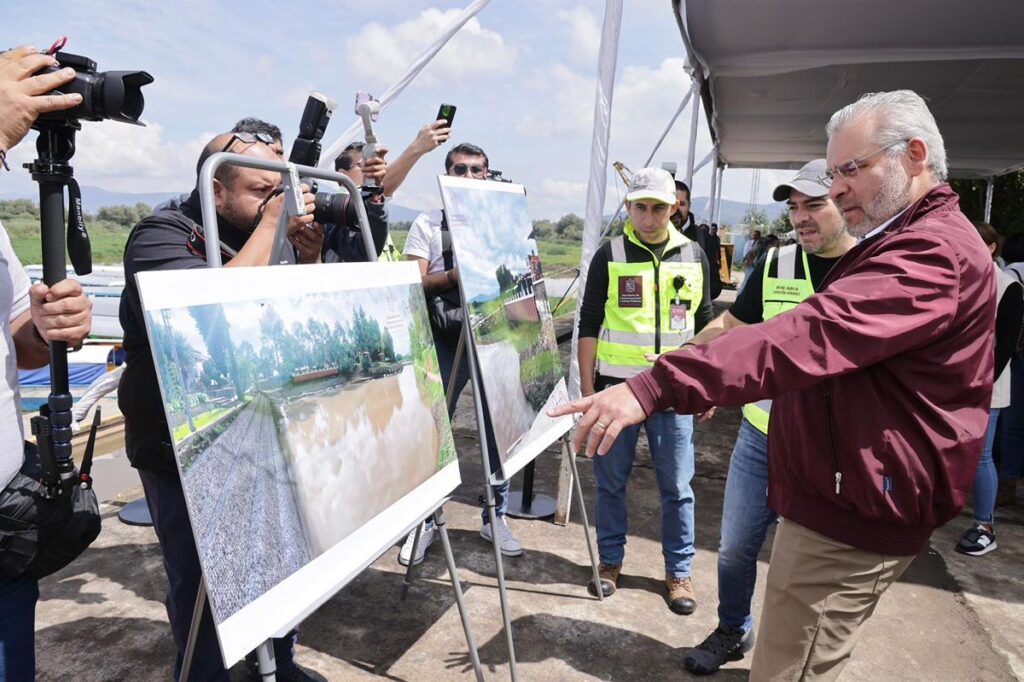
<point x="201" y="420"/>
<point x="555" y="255"/>
<point x="107" y="240"/>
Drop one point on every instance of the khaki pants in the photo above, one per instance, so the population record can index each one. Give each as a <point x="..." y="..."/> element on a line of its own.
<point x="820" y="592"/>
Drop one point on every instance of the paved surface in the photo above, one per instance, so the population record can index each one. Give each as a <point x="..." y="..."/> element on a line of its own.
<point x="950" y="618"/>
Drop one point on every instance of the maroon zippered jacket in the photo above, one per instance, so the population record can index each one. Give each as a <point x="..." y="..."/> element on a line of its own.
<point x="881" y="383"/>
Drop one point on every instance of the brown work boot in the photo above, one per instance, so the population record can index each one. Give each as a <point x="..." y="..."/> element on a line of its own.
<point x="1006" y="494"/>
<point x="681" y="597"/>
<point x="609" y="579"/>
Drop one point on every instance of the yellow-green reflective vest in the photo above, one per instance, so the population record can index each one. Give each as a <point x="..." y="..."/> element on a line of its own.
<point x="644" y="311"/>
<point x="779" y="294"/>
<point x="390" y="254"/>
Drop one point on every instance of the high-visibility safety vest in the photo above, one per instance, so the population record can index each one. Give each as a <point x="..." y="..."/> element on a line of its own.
<point x="779" y="294"/>
<point x="651" y="304"/>
<point x="390" y="254"/>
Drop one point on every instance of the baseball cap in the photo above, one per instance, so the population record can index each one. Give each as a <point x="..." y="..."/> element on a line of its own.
<point x="652" y="183"/>
<point x="807" y="180"/>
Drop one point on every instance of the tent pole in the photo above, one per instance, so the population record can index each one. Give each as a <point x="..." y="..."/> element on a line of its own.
<point x="693" y="132"/>
<point x="714" y="188"/>
<point x="989" y="189"/>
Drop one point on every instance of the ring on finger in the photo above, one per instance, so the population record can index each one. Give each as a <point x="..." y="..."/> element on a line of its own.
<point x="604" y="427"/>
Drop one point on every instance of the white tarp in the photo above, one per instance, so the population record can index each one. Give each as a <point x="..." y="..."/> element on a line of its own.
<point x="777" y="69"/>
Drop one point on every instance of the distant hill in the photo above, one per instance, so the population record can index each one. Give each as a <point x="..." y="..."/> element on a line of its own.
<point x="95" y="198"/>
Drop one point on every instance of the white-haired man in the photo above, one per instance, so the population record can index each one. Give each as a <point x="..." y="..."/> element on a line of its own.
<point x="881" y="385"/>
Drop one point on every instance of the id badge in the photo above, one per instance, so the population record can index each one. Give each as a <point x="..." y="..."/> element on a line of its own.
<point x="677" y="320"/>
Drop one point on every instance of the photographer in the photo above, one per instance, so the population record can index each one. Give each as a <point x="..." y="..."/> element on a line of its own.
<point x="343" y="244"/>
<point x="430" y="247"/>
<point x="173" y="239"/>
<point x="33" y="316"/>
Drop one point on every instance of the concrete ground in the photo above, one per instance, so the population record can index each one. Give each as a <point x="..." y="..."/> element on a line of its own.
<point x="951" y="617"/>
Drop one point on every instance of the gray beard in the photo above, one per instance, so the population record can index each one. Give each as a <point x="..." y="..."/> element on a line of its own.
<point x="891" y="199"/>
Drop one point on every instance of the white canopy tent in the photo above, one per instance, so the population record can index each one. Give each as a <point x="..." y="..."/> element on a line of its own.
<point x="775" y="70"/>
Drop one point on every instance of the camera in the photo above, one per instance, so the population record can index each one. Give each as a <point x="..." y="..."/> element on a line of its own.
<point x="116" y="95"/>
<point x="335" y="208"/>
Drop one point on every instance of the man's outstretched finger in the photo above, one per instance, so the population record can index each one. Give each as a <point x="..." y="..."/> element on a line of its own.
<point x="579" y="405"/>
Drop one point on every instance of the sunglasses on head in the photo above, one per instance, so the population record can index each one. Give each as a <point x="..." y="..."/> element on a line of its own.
<point x="249" y="138"/>
<point x="463" y="169"/>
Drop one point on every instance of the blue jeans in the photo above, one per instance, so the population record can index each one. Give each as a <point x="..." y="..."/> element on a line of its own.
<point x="17" y="629"/>
<point x="985" y="479"/>
<point x="670" y="437"/>
<point x="166" y="502"/>
<point x="745" y="521"/>
<point x="1011" y="464"/>
<point x="452" y="390"/>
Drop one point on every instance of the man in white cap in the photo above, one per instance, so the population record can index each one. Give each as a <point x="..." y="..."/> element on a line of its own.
<point x="779" y="282"/>
<point x="647" y="292"/>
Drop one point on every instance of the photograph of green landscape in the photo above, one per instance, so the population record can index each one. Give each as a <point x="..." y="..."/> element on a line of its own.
<point x="501" y="277"/>
<point x="298" y="420"/>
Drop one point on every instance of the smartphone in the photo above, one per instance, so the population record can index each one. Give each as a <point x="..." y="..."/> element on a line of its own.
<point x="447" y="112"/>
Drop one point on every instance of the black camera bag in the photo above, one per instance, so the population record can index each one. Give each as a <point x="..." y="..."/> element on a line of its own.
<point x="40" y="535"/>
<point x="446" y="309"/>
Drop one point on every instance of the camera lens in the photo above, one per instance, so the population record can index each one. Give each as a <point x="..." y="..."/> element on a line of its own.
<point x="334" y="209"/>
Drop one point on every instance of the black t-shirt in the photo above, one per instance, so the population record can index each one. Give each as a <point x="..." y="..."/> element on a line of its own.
<point x="748" y="305"/>
<point x="159" y="242"/>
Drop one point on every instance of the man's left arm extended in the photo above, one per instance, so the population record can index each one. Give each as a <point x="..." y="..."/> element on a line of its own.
<point x="874" y="312"/>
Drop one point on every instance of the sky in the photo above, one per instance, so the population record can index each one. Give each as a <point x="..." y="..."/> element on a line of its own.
<point x="522" y="74"/>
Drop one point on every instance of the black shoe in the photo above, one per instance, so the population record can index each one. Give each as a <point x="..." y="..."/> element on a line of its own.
<point x="724" y="644"/>
<point x="977" y="541"/>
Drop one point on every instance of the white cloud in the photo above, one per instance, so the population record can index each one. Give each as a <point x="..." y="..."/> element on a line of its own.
<point x="584" y="34"/>
<point x="125" y="158"/>
<point x="382" y="53"/>
<point x="565" y="104"/>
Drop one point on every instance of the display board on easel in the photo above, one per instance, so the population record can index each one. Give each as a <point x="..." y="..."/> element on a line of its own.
<point x="309" y="427"/>
<point x="512" y="330"/>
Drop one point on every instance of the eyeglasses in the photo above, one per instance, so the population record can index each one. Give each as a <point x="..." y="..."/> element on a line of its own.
<point x="463" y="169"/>
<point x="849" y="170"/>
<point x="249" y="138"/>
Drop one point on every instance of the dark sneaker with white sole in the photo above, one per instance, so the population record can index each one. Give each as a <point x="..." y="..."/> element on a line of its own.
<point x="977" y="541"/>
<point x="722" y="645"/>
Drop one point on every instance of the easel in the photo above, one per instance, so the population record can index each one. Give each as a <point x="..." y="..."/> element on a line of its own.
<point x="465" y="341"/>
<point x="294" y="206"/>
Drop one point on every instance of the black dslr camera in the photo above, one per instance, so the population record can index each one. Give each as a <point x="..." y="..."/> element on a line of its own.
<point x="116" y="95"/>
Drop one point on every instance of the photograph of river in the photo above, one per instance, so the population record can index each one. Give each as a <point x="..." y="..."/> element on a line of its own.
<point x="501" y="276"/>
<point x="299" y="420"/>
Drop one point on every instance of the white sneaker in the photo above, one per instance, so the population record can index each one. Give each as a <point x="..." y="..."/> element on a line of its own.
<point x="426" y="539"/>
<point x="507" y="542"/>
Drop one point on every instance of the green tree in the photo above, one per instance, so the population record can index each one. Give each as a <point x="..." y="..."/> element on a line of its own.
<point x="570" y="226"/>
<point x="544" y="229"/>
<point x="506" y="280"/>
<point x="756" y="219"/>
<point x="782" y="224"/>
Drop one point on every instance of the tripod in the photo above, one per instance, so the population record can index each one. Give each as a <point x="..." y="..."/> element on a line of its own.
<point x="52" y="170"/>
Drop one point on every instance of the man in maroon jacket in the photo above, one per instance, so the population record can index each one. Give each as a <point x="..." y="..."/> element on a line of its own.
<point x="880" y="385"/>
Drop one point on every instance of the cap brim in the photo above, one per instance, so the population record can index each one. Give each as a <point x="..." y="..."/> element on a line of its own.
<point x="651" y="194"/>
<point x="808" y="187"/>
